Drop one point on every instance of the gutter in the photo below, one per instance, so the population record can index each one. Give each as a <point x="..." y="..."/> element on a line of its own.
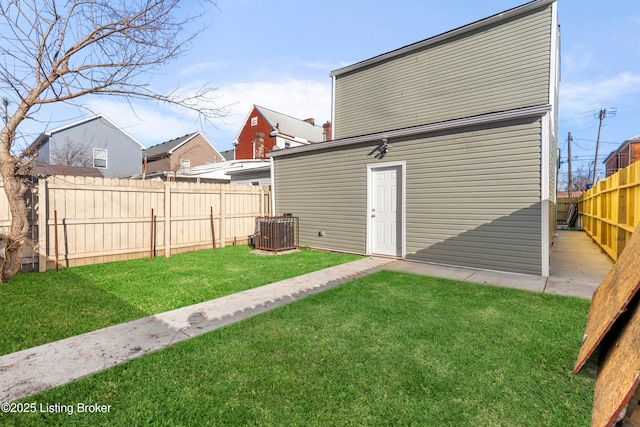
<point x="501" y="116"/>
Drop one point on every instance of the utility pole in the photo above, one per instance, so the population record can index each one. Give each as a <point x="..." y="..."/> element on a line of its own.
<point x="601" y="115"/>
<point x="570" y="171"/>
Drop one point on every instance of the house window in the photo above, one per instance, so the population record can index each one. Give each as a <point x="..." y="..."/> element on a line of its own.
<point x="254" y="121"/>
<point x="287" y="144"/>
<point x="185" y="163"/>
<point x="100" y="158"/>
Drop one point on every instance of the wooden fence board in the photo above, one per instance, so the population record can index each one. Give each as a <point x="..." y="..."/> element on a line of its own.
<point x="110" y="219"/>
<point x="619" y="372"/>
<point x="611" y="298"/>
<point x="614" y="324"/>
<point x="562" y="207"/>
<point x="611" y="210"/>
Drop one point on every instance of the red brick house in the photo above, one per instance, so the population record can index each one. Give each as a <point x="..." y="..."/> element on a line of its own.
<point x="625" y="155"/>
<point x="264" y="129"/>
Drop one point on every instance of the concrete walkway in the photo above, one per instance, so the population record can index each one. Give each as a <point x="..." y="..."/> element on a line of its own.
<point x="578" y="265"/>
<point x="577" y="269"/>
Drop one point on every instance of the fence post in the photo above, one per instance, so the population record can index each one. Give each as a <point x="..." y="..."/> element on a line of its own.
<point x="223" y="217"/>
<point x="43" y="229"/>
<point x="151" y="237"/>
<point x="261" y="201"/>
<point x="167" y="220"/>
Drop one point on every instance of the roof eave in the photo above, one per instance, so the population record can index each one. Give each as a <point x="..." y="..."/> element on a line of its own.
<point x="521" y="113"/>
<point x="518" y="10"/>
<point x="187" y="139"/>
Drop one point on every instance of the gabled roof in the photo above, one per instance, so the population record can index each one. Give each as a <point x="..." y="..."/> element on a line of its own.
<point x="288" y="126"/>
<point x="632" y="140"/>
<point x="47" y="134"/>
<point x="291" y="126"/>
<point x="611" y="154"/>
<point x="507" y="14"/>
<point x="168" y="147"/>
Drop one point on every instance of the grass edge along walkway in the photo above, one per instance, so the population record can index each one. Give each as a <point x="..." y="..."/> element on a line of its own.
<point x="29" y="371"/>
<point x="38" y="308"/>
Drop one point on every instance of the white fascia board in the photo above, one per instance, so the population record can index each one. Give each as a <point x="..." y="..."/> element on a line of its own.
<point x="88" y="119"/>
<point x="333" y="105"/>
<point x="236" y="141"/>
<point x="121" y="130"/>
<point x="520" y="113"/>
<point x="76" y="123"/>
<point x="192" y="137"/>
<point x="554" y="68"/>
<point x="182" y="143"/>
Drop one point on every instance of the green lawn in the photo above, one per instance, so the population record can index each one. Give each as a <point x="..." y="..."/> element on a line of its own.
<point x="40" y="308"/>
<point x="386" y="349"/>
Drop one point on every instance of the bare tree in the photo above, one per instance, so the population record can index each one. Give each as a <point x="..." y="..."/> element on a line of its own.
<point x="58" y="51"/>
<point x="581" y="178"/>
<point x="73" y="154"/>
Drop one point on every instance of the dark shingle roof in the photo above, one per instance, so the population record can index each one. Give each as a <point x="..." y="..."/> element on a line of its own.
<point x="168" y="146"/>
<point x="228" y="154"/>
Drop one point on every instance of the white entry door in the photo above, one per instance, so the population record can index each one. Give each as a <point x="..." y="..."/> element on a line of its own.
<point x="386" y="210"/>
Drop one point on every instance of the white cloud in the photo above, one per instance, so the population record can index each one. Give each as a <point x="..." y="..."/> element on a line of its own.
<point x="580" y="96"/>
<point x="298" y="98"/>
<point x="201" y="67"/>
<point x="149" y="123"/>
<point x="152" y="123"/>
<point x="576" y="62"/>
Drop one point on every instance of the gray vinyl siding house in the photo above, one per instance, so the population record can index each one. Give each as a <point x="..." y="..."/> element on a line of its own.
<point x="101" y="143"/>
<point x="445" y="150"/>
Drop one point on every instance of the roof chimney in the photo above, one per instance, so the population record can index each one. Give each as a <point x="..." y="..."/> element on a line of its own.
<point x="311" y="121"/>
<point x="328" y="131"/>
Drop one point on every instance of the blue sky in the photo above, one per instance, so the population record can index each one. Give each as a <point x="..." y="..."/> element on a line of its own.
<point x="279" y="54"/>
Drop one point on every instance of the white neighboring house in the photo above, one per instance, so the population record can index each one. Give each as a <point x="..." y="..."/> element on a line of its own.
<point x="252" y="172"/>
<point x="254" y="175"/>
<point x="94" y="141"/>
